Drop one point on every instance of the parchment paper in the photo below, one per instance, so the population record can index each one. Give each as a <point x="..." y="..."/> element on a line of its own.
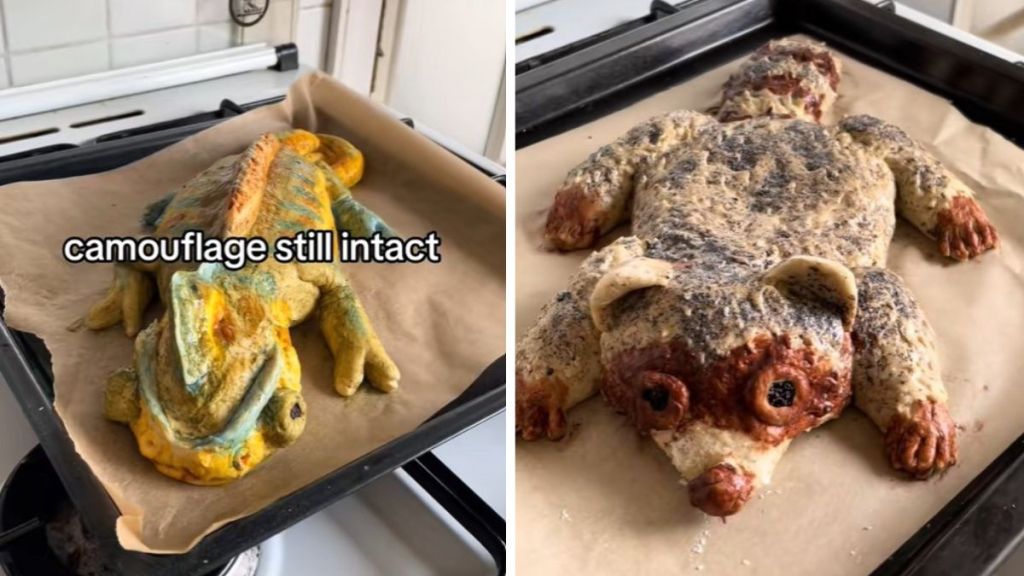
<point x="442" y="323"/>
<point x="607" y="502"/>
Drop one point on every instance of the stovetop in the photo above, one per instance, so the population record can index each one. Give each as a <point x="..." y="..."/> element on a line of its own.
<point x="69" y="127"/>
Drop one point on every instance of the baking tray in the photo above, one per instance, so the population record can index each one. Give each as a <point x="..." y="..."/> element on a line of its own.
<point x="581" y="82"/>
<point x="25" y="365"/>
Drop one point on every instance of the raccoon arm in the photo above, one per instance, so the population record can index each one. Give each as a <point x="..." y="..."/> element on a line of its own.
<point x="928" y="195"/>
<point x="595" y="196"/>
<point x="896" y="379"/>
<point x="558" y="361"/>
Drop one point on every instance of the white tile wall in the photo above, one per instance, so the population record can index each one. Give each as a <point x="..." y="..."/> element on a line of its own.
<point x="314" y="26"/>
<point x="43" y="65"/>
<point x="48" y="39"/>
<point x="216" y="36"/>
<point x="448" y="52"/>
<point x="146" y="48"/>
<point x="276" y="27"/>
<point x="33" y="24"/>
<point x="5" y="79"/>
<point x="212" y="11"/>
<point x="135" y="16"/>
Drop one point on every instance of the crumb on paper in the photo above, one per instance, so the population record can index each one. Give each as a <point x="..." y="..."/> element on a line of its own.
<point x="701" y="543"/>
<point x="853" y="552"/>
<point x="866" y="528"/>
<point x="979" y="425"/>
<point x="564" y="516"/>
<point x="699" y="567"/>
<point x="745" y="562"/>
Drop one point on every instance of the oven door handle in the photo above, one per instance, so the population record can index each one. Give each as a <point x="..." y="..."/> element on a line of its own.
<point x="465" y="505"/>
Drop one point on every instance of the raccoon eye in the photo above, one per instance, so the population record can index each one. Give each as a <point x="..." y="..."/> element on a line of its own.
<point x="781" y="393"/>
<point x="657" y="398"/>
<point x="778" y="395"/>
<point x="660" y="403"/>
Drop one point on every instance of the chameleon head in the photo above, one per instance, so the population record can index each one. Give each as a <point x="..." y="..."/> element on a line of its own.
<point x="722" y="372"/>
<point x="216" y="381"/>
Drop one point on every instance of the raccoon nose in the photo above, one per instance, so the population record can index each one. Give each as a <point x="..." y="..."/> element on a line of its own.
<point x="661" y="403"/>
<point x="721" y="490"/>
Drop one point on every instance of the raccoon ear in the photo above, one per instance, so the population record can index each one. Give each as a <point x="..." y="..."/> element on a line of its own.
<point x="817" y="279"/>
<point x="634" y="274"/>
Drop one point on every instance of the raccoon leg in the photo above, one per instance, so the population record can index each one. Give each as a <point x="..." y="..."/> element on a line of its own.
<point x="125" y="301"/>
<point x="896" y="379"/>
<point x="928" y="195"/>
<point x="596" y="195"/>
<point x="357" y="350"/>
<point x="558" y="361"/>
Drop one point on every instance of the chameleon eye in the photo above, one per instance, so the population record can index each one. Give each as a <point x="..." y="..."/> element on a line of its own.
<point x="777" y="395"/>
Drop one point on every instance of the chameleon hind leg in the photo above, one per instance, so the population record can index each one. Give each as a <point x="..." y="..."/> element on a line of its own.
<point x="358" y="352"/>
<point x="125" y="301"/>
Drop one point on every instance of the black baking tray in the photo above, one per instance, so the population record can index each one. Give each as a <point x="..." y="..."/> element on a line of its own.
<point x="25" y="365"/>
<point x="591" y="78"/>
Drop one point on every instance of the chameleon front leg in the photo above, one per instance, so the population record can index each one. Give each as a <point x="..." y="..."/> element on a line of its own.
<point x="350" y="215"/>
<point x="558" y="361"/>
<point x="132" y="289"/>
<point x="358" y="220"/>
<point x="357" y="350"/>
<point x="125" y="301"/>
<point x="896" y="379"/>
<point x="928" y="195"/>
<point x="596" y="195"/>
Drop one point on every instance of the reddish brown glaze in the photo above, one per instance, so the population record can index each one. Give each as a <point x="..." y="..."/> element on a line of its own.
<point x="964" y="231"/>
<point x="720" y="394"/>
<point x="574" y="219"/>
<point x="755" y="78"/>
<point x="821" y="58"/>
<point x="539" y="409"/>
<point x="780" y="84"/>
<point x="924" y="443"/>
<point x="721" y="490"/>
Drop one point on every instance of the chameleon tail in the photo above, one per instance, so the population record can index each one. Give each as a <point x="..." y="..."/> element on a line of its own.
<point x="344" y="159"/>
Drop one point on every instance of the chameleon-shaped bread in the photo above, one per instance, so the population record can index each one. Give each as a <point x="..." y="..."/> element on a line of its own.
<point x="751" y="302"/>
<point x="214" y="388"/>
